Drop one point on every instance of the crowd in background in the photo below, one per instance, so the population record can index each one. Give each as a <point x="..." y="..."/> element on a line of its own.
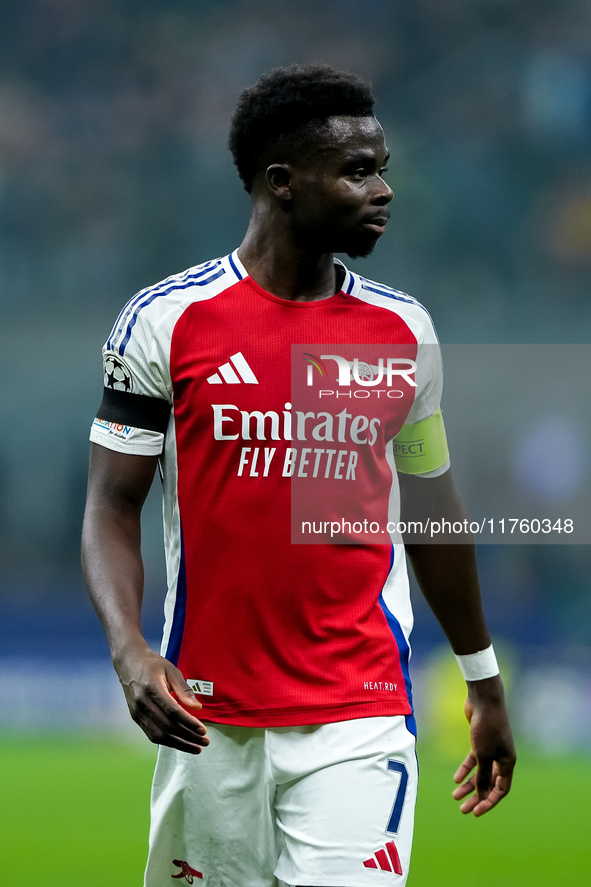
<point x="113" y="169"/>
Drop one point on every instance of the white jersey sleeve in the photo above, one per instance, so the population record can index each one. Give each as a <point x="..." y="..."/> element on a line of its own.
<point x="133" y="414"/>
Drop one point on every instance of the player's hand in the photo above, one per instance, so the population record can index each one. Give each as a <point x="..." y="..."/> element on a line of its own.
<point x="149" y="682"/>
<point x="493" y="753"/>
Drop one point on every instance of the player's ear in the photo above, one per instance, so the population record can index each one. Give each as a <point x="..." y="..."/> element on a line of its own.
<point x="278" y="177"/>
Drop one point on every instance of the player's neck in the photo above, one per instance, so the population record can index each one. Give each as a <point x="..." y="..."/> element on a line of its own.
<point x="276" y="263"/>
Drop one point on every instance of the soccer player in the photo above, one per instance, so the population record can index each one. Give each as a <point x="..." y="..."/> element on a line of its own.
<point x="281" y="699"/>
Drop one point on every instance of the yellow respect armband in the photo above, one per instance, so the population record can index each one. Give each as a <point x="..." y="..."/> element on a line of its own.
<point x="422" y="446"/>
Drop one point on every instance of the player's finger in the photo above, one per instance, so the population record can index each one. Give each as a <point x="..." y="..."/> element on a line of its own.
<point x="465" y="767"/>
<point x="182" y="720"/>
<point x="462" y="790"/>
<point x="161" y="737"/>
<point x="180" y="688"/>
<point x="496" y="794"/>
<point x="181" y="745"/>
<point x="155" y="711"/>
<point x="172" y="708"/>
<point x="469" y="804"/>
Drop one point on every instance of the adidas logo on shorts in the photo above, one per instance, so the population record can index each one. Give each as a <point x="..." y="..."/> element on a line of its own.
<point x="387" y="862"/>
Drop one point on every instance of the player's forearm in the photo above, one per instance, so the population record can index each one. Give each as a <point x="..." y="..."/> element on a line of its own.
<point x="114" y="573"/>
<point x="446" y="572"/>
<point x="448" y="579"/>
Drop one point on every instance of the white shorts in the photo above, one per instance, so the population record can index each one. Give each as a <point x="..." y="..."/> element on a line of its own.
<point x="326" y="804"/>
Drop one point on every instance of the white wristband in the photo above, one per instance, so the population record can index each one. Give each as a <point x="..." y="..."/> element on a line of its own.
<point x="478" y="666"/>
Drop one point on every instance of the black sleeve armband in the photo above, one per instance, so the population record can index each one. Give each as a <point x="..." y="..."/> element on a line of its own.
<point x="136" y="410"/>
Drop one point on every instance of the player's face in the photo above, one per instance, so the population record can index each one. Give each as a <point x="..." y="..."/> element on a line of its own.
<point x="340" y="200"/>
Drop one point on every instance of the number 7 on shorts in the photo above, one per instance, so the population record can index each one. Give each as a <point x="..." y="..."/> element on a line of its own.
<point x="394" y="821"/>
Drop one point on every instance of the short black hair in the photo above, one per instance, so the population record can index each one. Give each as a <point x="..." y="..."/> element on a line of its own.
<point x="285" y="107"/>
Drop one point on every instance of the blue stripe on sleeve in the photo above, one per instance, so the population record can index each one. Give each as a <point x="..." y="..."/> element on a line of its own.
<point x="161" y="288"/>
<point x="391" y="294"/>
<point x="191" y="282"/>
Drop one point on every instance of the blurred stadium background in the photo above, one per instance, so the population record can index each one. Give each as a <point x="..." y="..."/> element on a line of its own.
<point x="114" y="174"/>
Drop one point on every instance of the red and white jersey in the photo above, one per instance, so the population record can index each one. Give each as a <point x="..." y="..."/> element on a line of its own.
<point x="203" y="370"/>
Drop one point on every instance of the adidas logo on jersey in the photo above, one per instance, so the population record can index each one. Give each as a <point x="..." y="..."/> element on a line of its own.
<point x="387" y="862"/>
<point x="228" y="373"/>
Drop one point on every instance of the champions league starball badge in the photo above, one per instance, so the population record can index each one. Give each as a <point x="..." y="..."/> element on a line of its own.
<point x="117" y="374"/>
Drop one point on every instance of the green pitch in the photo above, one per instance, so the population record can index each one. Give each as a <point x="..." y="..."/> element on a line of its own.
<point x="74" y="811"/>
<point x="537" y="837"/>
